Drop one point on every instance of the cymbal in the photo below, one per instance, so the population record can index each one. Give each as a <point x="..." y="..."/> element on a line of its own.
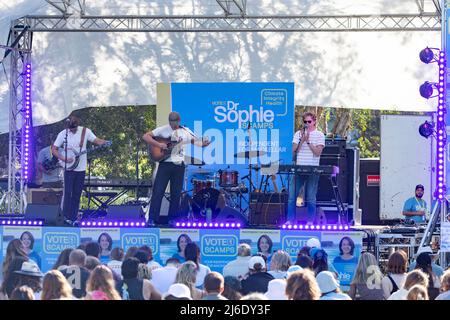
<point x="193" y="161"/>
<point x="249" y="154"/>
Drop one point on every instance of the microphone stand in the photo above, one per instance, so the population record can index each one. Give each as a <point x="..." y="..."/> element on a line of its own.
<point x="65" y="165"/>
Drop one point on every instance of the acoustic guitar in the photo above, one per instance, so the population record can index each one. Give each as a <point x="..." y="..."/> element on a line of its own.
<point x="159" y="154"/>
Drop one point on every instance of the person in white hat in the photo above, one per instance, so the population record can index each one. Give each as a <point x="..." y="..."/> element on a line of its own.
<point x="30" y="275"/>
<point x="438" y="270"/>
<point x="313" y="243"/>
<point x="276" y="290"/>
<point x="329" y="287"/>
<point x="259" y="279"/>
<point x="177" y="291"/>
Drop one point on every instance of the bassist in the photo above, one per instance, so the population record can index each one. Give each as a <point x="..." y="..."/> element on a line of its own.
<point x="77" y="138"/>
<point x="170" y="169"/>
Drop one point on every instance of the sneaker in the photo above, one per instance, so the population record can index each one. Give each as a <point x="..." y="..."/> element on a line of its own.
<point x="151" y="223"/>
<point x="69" y="222"/>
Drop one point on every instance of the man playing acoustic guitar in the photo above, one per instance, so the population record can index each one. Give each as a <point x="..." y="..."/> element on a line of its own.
<point x="77" y="138"/>
<point x="169" y="140"/>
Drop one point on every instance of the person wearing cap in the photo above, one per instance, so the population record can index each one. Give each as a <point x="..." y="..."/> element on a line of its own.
<point x="30" y="275"/>
<point x="415" y="208"/>
<point x="329" y="287"/>
<point x="177" y="291"/>
<point x="258" y="280"/>
<point x="438" y="270"/>
<point x="73" y="138"/>
<point x="171" y="169"/>
<point x="276" y="290"/>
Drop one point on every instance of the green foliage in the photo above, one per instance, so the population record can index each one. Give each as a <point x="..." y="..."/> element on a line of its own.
<point x="124" y="126"/>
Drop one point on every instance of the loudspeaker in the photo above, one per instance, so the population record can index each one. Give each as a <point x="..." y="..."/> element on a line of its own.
<point x="325" y="190"/>
<point x="125" y="212"/>
<point x="228" y="214"/>
<point x="270" y="214"/>
<point x="45" y="196"/>
<point x="51" y="213"/>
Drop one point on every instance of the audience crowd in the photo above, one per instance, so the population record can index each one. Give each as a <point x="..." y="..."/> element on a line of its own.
<point x="98" y="272"/>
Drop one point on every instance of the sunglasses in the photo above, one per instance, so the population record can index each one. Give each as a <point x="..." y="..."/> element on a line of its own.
<point x="307" y="121"/>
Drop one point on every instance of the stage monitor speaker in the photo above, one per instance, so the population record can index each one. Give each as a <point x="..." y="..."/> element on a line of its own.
<point x="125" y="212"/>
<point x="51" y="213"/>
<point x="228" y="214"/>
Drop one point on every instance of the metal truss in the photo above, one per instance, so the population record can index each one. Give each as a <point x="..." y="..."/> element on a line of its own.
<point x="68" y="7"/>
<point x="394" y="22"/>
<point x="229" y="5"/>
<point x="74" y="20"/>
<point x="20" y="53"/>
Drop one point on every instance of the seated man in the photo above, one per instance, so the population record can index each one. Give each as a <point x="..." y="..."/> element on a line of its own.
<point x="415" y="208"/>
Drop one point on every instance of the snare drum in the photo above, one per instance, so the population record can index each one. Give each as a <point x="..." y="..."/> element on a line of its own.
<point x="199" y="184"/>
<point x="228" y="178"/>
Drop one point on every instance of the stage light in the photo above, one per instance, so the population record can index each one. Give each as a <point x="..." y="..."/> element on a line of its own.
<point x="426" y="89"/>
<point x="426" y="129"/>
<point x="426" y="55"/>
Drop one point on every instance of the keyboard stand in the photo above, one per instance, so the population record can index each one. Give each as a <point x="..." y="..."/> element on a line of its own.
<point x="96" y="196"/>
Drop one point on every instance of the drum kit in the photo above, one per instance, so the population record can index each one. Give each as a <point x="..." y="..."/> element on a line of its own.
<point x="212" y="190"/>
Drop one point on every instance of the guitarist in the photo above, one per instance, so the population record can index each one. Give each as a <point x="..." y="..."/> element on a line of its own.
<point x="77" y="138"/>
<point x="50" y="177"/>
<point x="171" y="169"/>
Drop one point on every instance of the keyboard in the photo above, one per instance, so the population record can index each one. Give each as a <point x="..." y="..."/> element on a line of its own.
<point x="299" y="169"/>
<point x="116" y="183"/>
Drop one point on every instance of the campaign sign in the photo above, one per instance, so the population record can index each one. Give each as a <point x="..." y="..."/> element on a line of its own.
<point x="293" y="240"/>
<point x="55" y="240"/>
<point x="343" y="249"/>
<point x="262" y="241"/>
<point x="138" y="237"/>
<point x="236" y="118"/>
<point x="31" y="238"/>
<point x="218" y="247"/>
<point x="107" y="238"/>
<point x="173" y="241"/>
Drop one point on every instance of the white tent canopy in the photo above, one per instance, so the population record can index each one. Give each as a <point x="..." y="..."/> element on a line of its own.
<point x="376" y="70"/>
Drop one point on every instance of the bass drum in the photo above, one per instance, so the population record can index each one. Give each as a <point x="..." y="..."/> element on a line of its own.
<point x="208" y="198"/>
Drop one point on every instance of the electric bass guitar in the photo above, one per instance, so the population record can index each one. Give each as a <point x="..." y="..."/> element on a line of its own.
<point x="75" y="155"/>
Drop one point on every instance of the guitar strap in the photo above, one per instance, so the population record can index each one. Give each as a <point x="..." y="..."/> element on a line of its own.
<point x="83" y="134"/>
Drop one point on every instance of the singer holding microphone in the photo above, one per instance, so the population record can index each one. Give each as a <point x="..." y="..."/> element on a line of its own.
<point x="74" y="137"/>
<point x="307" y="147"/>
<point x="172" y="169"/>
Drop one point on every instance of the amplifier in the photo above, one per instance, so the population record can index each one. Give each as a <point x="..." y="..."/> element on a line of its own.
<point x="269" y="197"/>
<point x="268" y="214"/>
<point x="268" y="208"/>
<point x="44" y="196"/>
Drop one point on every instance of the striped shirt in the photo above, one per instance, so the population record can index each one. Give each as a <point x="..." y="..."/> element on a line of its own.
<point x="305" y="156"/>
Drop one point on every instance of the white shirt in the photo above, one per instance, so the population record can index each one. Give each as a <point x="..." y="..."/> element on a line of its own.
<point x="237" y="268"/>
<point x="305" y="156"/>
<point x="167" y="132"/>
<point x="163" y="278"/>
<point x="153" y="265"/>
<point x="400" y="294"/>
<point x="335" y="296"/>
<point x="386" y="284"/>
<point x="201" y="274"/>
<point x="73" y="142"/>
